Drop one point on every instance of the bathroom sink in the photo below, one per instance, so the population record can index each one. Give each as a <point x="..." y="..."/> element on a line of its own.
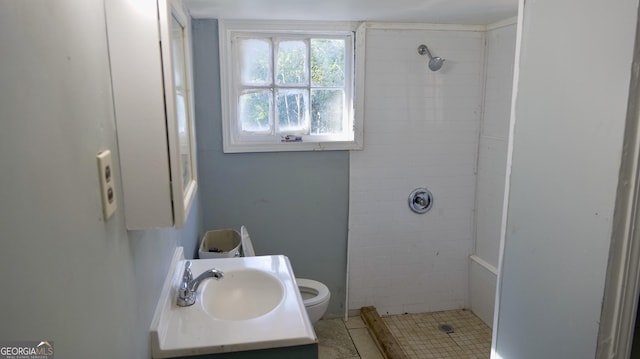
<point x="255" y="306"/>
<point x="242" y="294"/>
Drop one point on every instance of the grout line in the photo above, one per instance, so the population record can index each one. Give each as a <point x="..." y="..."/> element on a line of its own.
<point x="453" y="339"/>
<point x="351" y="337"/>
<point x="353" y="341"/>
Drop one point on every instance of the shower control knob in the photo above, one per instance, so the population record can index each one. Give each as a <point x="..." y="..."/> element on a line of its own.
<point x="420" y="200"/>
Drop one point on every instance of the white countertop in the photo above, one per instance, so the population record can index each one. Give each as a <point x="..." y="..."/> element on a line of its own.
<point x="178" y="331"/>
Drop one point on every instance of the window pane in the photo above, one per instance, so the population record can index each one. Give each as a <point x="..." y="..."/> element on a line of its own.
<point x="327" y="111"/>
<point x="255" y="111"/>
<point x="292" y="111"/>
<point x="255" y="57"/>
<point x="327" y="62"/>
<point x="292" y="63"/>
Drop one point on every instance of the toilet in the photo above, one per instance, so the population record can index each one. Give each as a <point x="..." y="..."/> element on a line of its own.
<point x="315" y="295"/>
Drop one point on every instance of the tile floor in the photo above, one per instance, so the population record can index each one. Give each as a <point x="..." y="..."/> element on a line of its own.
<point x="338" y="339"/>
<point x="420" y="337"/>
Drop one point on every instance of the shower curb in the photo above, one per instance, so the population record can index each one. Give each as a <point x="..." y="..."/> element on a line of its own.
<point x="383" y="337"/>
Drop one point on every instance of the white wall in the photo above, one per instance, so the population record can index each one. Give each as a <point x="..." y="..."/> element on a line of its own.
<point x="492" y="162"/>
<point x="66" y="275"/>
<point x="421" y="129"/>
<point x="569" y="122"/>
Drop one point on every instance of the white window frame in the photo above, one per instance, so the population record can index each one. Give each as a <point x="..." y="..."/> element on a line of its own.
<point x="233" y="139"/>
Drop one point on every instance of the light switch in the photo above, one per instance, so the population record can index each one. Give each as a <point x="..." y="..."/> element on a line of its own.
<point x="107" y="184"/>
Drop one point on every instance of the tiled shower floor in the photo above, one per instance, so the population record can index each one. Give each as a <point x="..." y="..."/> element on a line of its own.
<point x="419" y="335"/>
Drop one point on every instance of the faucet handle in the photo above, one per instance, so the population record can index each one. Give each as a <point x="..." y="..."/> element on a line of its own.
<point x="185" y="296"/>
<point x="187" y="276"/>
<point x="183" y="291"/>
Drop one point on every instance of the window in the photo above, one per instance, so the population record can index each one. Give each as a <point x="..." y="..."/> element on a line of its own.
<point x="289" y="86"/>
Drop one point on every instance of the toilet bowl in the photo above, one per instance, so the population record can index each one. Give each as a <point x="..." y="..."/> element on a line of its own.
<point x="315" y="295"/>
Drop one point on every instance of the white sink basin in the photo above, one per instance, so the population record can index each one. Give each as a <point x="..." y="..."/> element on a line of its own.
<point x="256" y="305"/>
<point x="242" y="294"/>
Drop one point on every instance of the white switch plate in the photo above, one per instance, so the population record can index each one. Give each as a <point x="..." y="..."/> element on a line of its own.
<point x="107" y="184"/>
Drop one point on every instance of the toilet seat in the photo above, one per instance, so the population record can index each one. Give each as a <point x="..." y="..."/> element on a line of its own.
<point x="320" y="291"/>
<point x="316" y="305"/>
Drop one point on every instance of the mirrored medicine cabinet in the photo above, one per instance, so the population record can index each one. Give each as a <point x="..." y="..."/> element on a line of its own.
<point x="149" y="52"/>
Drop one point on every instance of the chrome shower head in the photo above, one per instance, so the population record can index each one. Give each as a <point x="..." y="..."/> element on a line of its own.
<point x="435" y="63"/>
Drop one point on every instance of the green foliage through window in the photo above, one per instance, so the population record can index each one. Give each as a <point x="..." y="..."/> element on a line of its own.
<point x="292" y="86"/>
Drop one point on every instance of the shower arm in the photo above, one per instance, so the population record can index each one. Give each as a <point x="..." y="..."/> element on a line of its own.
<point x="423" y="49"/>
<point x="435" y="63"/>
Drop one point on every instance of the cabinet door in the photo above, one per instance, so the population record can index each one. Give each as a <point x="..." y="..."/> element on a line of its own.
<point x="176" y="59"/>
<point x="149" y="51"/>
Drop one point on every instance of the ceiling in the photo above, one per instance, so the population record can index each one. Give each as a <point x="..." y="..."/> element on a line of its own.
<point x="467" y="12"/>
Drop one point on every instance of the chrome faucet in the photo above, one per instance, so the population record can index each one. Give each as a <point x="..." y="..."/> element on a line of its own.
<point x="189" y="286"/>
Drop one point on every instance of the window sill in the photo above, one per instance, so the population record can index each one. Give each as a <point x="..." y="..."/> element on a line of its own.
<point x="292" y="146"/>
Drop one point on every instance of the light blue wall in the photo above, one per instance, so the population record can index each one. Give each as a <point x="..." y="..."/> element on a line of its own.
<point x="293" y="203"/>
<point x="66" y="275"/>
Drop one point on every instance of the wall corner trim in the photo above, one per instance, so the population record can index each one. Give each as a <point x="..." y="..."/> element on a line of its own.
<point x="486" y="265"/>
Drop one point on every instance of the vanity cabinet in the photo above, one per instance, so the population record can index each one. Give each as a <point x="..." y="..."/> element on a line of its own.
<point x="309" y="351"/>
<point x="149" y="52"/>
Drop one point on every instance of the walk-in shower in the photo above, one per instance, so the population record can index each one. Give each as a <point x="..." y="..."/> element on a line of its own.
<point x="435" y="63"/>
<point x="455" y="144"/>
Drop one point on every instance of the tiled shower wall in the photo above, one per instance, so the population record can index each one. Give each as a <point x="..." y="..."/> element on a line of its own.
<point x="421" y="130"/>
<point x="494" y="139"/>
<point x="494" y="135"/>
